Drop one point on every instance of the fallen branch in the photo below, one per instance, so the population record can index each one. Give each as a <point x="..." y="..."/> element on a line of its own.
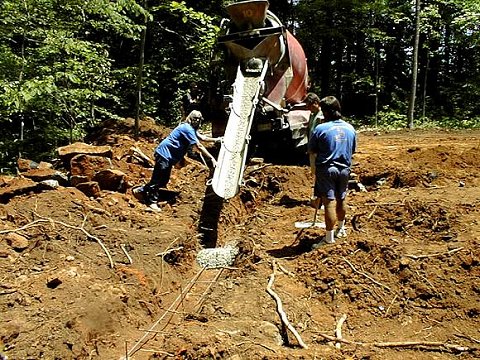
<point x="166" y="252"/>
<point x="338" y="330"/>
<point x="450" y="252"/>
<point x="404" y="344"/>
<point x="366" y="275"/>
<point x="29" y="225"/>
<point x="6" y="292"/>
<point x="122" y="246"/>
<point x="53" y="222"/>
<point x="280" y="311"/>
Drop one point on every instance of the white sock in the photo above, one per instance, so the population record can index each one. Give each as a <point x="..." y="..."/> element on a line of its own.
<point x="341" y="224"/>
<point x="330" y="236"/>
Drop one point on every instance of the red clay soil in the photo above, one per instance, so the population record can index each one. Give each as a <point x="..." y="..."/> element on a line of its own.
<point x="101" y="278"/>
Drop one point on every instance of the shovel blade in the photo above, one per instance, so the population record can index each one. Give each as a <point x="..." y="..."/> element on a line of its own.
<point x="309" y="224"/>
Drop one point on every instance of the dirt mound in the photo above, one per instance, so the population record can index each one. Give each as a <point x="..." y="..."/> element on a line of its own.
<point x="100" y="278"/>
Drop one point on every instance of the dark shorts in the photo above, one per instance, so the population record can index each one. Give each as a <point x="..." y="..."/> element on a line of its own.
<point x="332" y="182"/>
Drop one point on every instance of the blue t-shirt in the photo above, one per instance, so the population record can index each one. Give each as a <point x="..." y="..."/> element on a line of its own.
<point x="174" y="147"/>
<point x="334" y="142"/>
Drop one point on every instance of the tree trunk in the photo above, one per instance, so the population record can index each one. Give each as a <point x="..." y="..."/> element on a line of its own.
<point x="424" y="98"/>
<point x="376" y="82"/>
<point x="140" y="76"/>
<point x="411" y="105"/>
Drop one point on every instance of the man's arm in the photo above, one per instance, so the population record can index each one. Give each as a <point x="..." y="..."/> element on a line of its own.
<point x="208" y="138"/>
<point x="204" y="151"/>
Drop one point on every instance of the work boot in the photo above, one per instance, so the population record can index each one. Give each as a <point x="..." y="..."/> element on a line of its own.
<point x="138" y="193"/>
<point x="341" y="232"/>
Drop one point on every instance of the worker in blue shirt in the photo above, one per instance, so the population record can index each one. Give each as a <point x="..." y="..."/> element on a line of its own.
<point x="333" y="144"/>
<point x="170" y="151"/>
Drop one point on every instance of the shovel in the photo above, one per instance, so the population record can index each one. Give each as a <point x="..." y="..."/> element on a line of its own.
<point x="302" y="225"/>
<point x="310" y="224"/>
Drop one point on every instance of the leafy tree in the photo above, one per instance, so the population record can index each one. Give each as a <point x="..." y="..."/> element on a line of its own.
<point x="57" y="77"/>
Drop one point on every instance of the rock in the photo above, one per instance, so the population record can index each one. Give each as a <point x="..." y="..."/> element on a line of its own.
<point x="16" y="242"/>
<point x="25" y="164"/>
<point x="78" y="179"/>
<point x="46" y="174"/>
<point x="89" y="188"/>
<point x="54" y="282"/>
<point x="16" y="186"/>
<point x="114" y="180"/>
<point x="82" y="148"/>
<point x="88" y="165"/>
<point x="48" y="184"/>
<point x="66" y="153"/>
<point x="404" y="262"/>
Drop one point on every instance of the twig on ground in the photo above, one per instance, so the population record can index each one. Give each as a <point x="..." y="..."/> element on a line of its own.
<point x="450" y="252"/>
<point x="122" y="246"/>
<point x="366" y="275"/>
<point x="280" y="311"/>
<point x="372" y="212"/>
<point x="405" y="344"/>
<point x="53" y="222"/>
<point x="250" y="172"/>
<point x="285" y="271"/>
<point x="338" y="330"/>
<point x="168" y="251"/>
<point x="24" y="227"/>
<point x="389" y="306"/>
<point x="465" y="336"/>
<point x="6" y="292"/>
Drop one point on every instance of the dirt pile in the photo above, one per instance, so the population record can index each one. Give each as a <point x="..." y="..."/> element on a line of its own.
<point x="98" y="277"/>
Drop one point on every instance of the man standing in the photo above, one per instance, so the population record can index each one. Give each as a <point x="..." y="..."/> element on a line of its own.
<point x="333" y="144"/>
<point x="312" y="102"/>
<point x="192" y="100"/>
<point x="170" y="151"/>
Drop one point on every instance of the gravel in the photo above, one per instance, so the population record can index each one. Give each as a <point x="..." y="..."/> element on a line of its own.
<point x="217" y="257"/>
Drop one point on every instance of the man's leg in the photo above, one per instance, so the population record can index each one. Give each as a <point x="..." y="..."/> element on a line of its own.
<point x="160" y="177"/>
<point x="330" y="218"/>
<point x="341" y="206"/>
<point x="325" y="189"/>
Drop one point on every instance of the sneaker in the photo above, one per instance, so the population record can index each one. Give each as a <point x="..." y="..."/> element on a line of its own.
<point x="153" y="208"/>
<point x="323" y="241"/>
<point x="341" y="233"/>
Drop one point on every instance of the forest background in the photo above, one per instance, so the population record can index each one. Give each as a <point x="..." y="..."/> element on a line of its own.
<point x="67" y="65"/>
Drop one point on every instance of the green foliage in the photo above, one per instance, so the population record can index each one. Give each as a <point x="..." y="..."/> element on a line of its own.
<point x="56" y="73"/>
<point x="66" y="65"/>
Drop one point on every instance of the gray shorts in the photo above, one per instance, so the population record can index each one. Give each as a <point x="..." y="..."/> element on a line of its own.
<point x="332" y="182"/>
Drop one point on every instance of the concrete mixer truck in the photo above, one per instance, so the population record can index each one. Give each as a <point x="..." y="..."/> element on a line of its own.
<point x="265" y="80"/>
